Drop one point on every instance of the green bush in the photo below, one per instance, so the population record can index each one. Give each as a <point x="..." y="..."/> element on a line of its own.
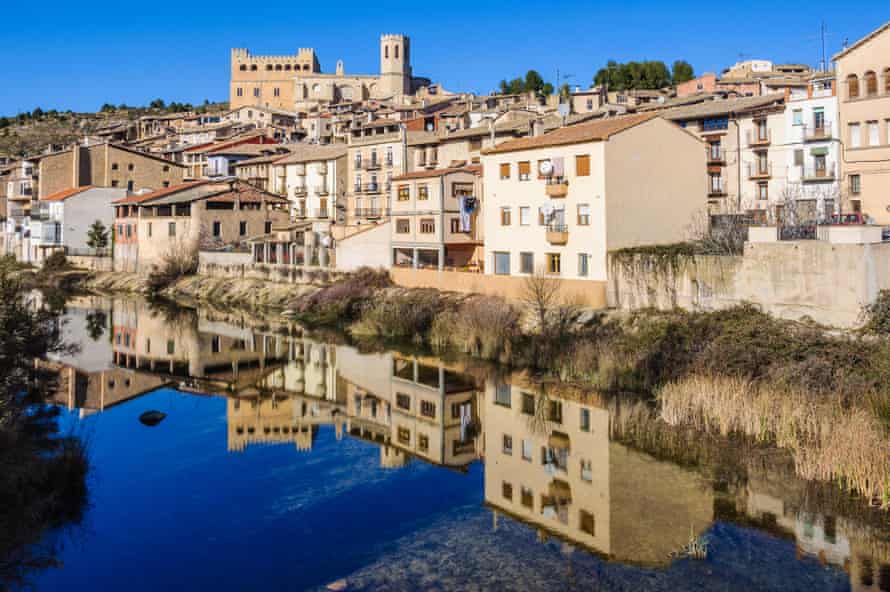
<point x="57" y="261"/>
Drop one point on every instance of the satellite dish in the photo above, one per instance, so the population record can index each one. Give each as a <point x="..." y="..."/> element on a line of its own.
<point x="546" y="168"/>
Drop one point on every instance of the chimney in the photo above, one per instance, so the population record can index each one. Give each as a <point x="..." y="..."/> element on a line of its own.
<point x="537" y="128"/>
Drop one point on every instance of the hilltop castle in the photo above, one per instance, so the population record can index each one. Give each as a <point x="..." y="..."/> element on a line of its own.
<point x="296" y="82"/>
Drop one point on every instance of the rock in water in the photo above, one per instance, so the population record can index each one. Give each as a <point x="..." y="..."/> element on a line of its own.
<point x="338" y="585"/>
<point x="152" y="418"/>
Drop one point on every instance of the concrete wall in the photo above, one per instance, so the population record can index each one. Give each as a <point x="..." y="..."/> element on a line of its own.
<point x="91" y="263"/>
<point x="369" y="248"/>
<point x="588" y="293"/>
<point x="790" y="279"/>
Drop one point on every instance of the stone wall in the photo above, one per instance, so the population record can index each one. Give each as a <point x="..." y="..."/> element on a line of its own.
<point x="239" y="265"/>
<point x="790" y="279"/>
<point x="90" y="262"/>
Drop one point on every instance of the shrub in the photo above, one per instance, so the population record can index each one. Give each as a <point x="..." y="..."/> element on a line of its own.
<point x="57" y="261"/>
<point x="404" y="314"/>
<point x="342" y="301"/>
<point x="180" y="261"/>
<point x="876" y="316"/>
<point x="484" y="326"/>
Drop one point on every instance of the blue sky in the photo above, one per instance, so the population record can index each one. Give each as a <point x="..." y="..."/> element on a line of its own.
<point x="78" y="55"/>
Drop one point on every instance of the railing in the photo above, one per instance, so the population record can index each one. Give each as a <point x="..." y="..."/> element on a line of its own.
<point x="371" y="212"/>
<point x="372" y="164"/>
<point x="817" y="174"/>
<point x="300" y="190"/>
<point x="757" y="171"/>
<point x="759" y="139"/>
<point x="716" y="154"/>
<point x="812" y="133"/>
<point x="716" y="187"/>
<point x="557" y="234"/>
<point x="557" y="187"/>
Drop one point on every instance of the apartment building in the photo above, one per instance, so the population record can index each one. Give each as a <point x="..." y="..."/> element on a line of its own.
<point x="863" y="71"/>
<point x="63" y="220"/>
<point x="436" y="218"/>
<point x="197" y="158"/>
<point x="19" y="191"/>
<point x="812" y="148"/>
<point x="746" y="163"/>
<point x="313" y="178"/>
<point x="106" y="165"/>
<point x="376" y="153"/>
<point x="557" y="203"/>
<point x="176" y="219"/>
<point x="221" y="161"/>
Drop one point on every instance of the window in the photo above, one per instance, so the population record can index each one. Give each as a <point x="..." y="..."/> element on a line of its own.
<point x="423" y="192"/>
<point x="166" y="184"/>
<point x="528" y="403"/>
<point x="148" y="229"/>
<point x="242" y="228"/>
<point x="502" y="395"/>
<point x="555" y="411"/>
<point x="130" y="167"/>
<point x="715" y="123"/>
<point x="403" y="226"/>
<point x="525" y="170"/>
<point x="275" y="93"/>
<point x="871" y="84"/>
<point x="505" y="216"/>
<point x="217" y="229"/>
<point x="129" y="230"/>
<point x="763" y="190"/>
<point x="507" y="490"/>
<point x="404" y="435"/>
<point x="214" y="344"/>
<point x="586" y="470"/>
<point x="852" y="87"/>
<point x="855" y="184"/>
<point x="553" y="263"/>
<point x="427" y="226"/>
<point x="256" y="92"/>
<point x="585" y="420"/>
<point x="428" y="409"/>
<point x="171" y="229"/>
<point x="423" y="443"/>
<point x="762" y="130"/>
<point x="171" y="347"/>
<point x="527" y="498"/>
<point x="583" y="215"/>
<point x="525" y="215"/>
<point x="455" y="225"/>
<point x="527" y="450"/>
<point x="502" y="263"/>
<point x="114" y="166"/>
<point x="526" y="262"/>
<point x="475" y="144"/>
<point x="588" y="525"/>
<point x="797" y="117"/>
<point x="508" y="445"/>
<point x="404" y="193"/>
<point x="115" y="183"/>
<point x="583" y="264"/>
<point x="462" y="189"/>
<point x="798" y="158"/>
<point x="403" y="401"/>
<point x="874" y="133"/>
<point x="239" y="92"/>
<point x="855" y="139"/>
<point x="582" y="165"/>
<point x="505" y="170"/>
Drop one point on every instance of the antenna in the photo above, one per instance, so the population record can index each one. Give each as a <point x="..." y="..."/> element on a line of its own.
<point x="822" y="31"/>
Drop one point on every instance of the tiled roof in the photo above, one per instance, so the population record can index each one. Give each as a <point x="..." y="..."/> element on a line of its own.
<point x="594" y="131"/>
<point x="139" y="198"/>
<point x="66" y="193"/>
<point x="431" y="174"/>
<point x="312" y="152"/>
<point x="722" y="107"/>
<point x="862" y="41"/>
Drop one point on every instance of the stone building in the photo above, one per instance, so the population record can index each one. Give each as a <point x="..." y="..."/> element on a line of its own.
<point x="296" y="82"/>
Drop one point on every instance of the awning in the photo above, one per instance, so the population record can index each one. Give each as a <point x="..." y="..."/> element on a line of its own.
<point x="821" y="151"/>
<point x="558" y="440"/>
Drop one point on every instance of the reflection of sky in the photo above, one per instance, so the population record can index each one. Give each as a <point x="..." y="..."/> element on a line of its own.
<point x="173" y="510"/>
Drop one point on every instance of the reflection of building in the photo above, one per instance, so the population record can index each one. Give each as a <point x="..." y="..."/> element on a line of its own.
<point x="549" y="463"/>
<point x="277" y="419"/>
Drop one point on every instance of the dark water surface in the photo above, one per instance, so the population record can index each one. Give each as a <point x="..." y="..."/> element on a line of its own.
<point x="288" y="463"/>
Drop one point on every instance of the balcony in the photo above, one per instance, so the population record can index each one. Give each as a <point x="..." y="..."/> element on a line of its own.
<point x="557" y="188"/>
<point x="759" y="138"/>
<point x="322" y="214"/>
<point x="759" y="171"/>
<point x="557" y="234"/>
<point x="372" y="188"/>
<point x="716" y="187"/>
<point x="716" y="155"/>
<point x="371" y="212"/>
<point x="321" y="190"/>
<point x="300" y="191"/>
<point x="372" y="165"/>
<point x="812" y="133"/>
<point x="826" y="174"/>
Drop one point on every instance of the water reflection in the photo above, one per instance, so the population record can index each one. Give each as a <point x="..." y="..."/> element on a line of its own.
<point x="556" y="460"/>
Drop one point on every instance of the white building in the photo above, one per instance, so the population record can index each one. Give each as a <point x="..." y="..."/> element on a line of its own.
<point x="312" y="178"/>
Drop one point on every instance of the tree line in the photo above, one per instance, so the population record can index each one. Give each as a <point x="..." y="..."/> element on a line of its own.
<point x="648" y="75"/>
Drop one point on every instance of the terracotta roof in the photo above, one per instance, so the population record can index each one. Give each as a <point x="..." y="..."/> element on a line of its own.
<point x="66" y="193"/>
<point x="862" y="41"/>
<point x="474" y="169"/>
<point x="595" y="131"/>
<point x="139" y="198"/>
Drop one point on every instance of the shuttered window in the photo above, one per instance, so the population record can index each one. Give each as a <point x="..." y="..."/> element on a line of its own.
<point x="582" y="165"/>
<point x="525" y="170"/>
<point x="505" y="170"/>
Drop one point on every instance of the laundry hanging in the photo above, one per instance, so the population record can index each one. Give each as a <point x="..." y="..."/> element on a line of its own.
<point x="467" y="207"/>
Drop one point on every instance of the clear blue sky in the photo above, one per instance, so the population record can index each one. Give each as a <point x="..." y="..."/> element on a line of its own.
<point x="78" y="55"/>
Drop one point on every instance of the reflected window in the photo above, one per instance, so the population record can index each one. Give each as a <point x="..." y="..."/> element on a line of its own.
<point x="527" y="498"/>
<point x="403" y="401"/>
<point x="508" y="445"/>
<point x="423" y="443"/>
<point x="585" y="420"/>
<point x="507" y="490"/>
<point x="528" y="403"/>
<point x="404" y="435"/>
<point x="502" y="395"/>
<point x="588" y="524"/>
<point x="527" y="450"/>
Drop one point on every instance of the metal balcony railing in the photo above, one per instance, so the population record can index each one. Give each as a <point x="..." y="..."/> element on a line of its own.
<point x="716" y="186"/>
<point x="759" y="138"/>
<point x="813" y="133"/>
<point x="814" y="174"/>
<point x="759" y="171"/>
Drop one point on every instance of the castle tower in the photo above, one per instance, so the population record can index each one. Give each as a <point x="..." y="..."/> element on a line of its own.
<point x="395" y="65"/>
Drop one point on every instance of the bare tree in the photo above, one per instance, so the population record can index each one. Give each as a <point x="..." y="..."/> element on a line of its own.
<point x="541" y="293"/>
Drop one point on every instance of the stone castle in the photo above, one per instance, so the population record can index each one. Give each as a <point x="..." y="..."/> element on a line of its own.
<point x="296" y="82"/>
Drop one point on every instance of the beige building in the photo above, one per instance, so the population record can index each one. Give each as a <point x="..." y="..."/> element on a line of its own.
<point x="175" y="220"/>
<point x="295" y="82"/>
<point x="106" y="165"/>
<point x="313" y="178"/>
<point x="559" y="202"/>
<point x="436" y="218"/>
<point x="863" y="73"/>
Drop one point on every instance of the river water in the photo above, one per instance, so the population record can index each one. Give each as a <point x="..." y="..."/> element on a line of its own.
<point x="287" y="461"/>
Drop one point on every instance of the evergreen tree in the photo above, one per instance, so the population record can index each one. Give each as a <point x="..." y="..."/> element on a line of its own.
<point x="97" y="235"/>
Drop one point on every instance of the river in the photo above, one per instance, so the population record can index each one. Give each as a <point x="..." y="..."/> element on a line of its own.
<point x="290" y="461"/>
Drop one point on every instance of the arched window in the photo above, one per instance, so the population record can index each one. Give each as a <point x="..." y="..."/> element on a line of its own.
<point x="397" y="52"/>
<point x="287" y="67"/>
<point x="871" y="84"/>
<point x="277" y="67"/>
<point x="268" y="66"/>
<point x="852" y="87"/>
<point x="306" y="67"/>
<point x="243" y="67"/>
<point x="386" y="51"/>
<point x="253" y="68"/>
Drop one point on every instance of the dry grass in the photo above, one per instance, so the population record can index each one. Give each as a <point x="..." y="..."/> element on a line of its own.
<point x="831" y="441"/>
<point x="484" y="327"/>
